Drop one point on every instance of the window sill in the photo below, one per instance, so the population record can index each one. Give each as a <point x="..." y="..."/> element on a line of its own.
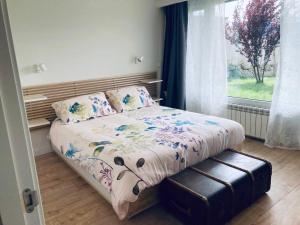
<point x="249" y="102"/>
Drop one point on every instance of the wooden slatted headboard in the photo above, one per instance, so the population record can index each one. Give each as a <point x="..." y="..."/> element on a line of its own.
<point x="62" y="91"/>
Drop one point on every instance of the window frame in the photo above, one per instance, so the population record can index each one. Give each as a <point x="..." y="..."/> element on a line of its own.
<point x="246" y="101"/>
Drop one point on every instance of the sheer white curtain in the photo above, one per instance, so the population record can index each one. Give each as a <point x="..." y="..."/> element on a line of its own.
<point x="284" y="123"/>
<point x="206" y="69"/>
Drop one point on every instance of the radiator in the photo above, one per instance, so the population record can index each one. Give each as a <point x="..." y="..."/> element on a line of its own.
<point x="254" y="120"/>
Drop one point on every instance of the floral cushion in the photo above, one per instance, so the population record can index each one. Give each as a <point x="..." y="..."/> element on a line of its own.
<point x="83" y="108"/>
<point x="129" y="98"/>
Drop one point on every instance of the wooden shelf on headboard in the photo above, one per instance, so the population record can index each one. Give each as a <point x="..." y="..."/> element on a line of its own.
<point x="61" y="91"/>
<point x="151" y="81"/>
<point x="38" y="123"/>
<point x="34" y="98"/>
<point x="157" y="99"/>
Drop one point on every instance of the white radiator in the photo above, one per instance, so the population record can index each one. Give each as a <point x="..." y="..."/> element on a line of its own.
<point x="254" y="120"/>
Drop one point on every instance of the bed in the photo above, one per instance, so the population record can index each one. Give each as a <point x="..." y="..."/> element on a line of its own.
<point x="126" y="155"/>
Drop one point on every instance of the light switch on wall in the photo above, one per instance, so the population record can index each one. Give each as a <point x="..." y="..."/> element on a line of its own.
<point x="39" y="68"/>
<point x="139" y="59"/>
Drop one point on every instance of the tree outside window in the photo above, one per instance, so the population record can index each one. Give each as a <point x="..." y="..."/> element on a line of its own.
<point x="253" y="34"/>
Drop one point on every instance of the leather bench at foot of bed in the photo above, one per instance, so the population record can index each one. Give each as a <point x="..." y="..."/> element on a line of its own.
<point x="215" y="190"/>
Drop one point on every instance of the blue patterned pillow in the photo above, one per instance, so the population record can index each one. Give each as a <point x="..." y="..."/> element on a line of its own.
<point x="83" y="108"/>
<point x="129" y="98"/>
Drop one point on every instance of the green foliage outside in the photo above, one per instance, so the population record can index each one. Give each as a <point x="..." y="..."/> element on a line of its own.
<point x="242" y="87"/>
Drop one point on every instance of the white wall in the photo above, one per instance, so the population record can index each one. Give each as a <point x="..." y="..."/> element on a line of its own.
<point x="40" y="141"/>
<point x="84" y="39"/>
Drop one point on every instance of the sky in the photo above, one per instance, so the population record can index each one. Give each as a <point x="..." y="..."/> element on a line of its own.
<point x="230" y="7"/>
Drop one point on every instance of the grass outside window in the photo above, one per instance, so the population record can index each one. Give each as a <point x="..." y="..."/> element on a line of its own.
<point x="248" y="88"/>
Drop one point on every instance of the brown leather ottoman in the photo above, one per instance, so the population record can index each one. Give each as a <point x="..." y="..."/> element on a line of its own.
<point x="213" y="191"/>
<point x="259" y="170"/>
<point x="197" y="199"/>
<point x="237" y="181"/>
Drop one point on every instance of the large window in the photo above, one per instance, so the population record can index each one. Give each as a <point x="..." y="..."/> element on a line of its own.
<point x="253" y="34"/>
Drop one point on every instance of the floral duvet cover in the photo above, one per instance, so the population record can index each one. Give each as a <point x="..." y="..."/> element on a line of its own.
<point x="131" y="151"/>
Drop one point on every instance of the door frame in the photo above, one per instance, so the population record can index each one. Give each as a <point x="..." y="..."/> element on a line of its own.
<point x="17" y="165"/>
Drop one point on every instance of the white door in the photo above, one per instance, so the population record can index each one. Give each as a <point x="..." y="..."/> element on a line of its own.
<point x="17" y="166"/>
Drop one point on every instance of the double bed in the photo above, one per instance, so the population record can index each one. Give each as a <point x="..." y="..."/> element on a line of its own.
<point x="126" y="155"/>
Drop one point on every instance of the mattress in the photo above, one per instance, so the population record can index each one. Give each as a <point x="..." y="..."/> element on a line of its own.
<point x="131" y="151"/>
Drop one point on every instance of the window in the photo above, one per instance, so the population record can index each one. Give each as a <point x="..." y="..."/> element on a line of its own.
<point x="252" y="33"/>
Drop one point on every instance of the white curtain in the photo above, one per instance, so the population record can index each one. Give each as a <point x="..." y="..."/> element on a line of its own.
<point x="284" y="123"/>
<point x="206" y="69"/>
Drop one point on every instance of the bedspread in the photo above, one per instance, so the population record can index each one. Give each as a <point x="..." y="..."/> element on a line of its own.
<point x="131" y="151"/>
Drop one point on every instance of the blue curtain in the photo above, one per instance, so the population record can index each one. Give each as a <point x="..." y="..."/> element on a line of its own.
<point x="173" y="73"/>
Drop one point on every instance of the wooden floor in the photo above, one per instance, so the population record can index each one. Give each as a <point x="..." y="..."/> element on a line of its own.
<point x="69" y="200"/>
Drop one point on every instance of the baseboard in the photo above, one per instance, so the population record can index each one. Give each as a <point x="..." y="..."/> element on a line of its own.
<point x="255" y="138"/>
<point x="42" y="151"/>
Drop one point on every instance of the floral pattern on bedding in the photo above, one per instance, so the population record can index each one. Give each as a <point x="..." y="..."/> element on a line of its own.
<point x="131" y="151"/>
<point x="83" y="108"/>
<point x="145" y="97"/>
<point x="130" y="98"/>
